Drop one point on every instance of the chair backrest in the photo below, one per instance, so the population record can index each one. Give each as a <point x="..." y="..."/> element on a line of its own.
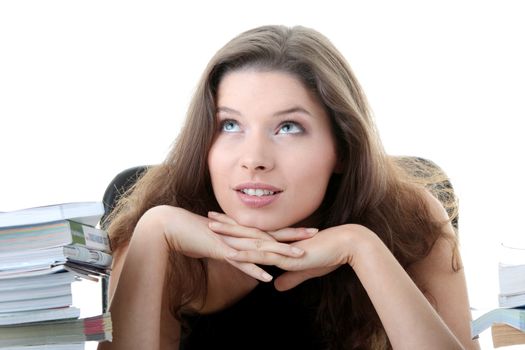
<point x="117" y="187"/>
<point x="437" y="182"/>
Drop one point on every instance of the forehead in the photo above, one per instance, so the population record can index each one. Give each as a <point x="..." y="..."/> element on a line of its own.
<point x="253" y="88"/>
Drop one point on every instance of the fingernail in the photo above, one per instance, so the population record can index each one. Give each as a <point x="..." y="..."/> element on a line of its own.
<point x="267" y="277"/>
<point x="212" y="213"/>
<point x="297" y="250"/>
<point x="312" y="231"/>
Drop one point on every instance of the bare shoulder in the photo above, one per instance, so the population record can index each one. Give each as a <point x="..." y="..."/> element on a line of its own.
<point x="119" y="256"/>
<point x="441" y="278"/>
<point x="444" y="254"/>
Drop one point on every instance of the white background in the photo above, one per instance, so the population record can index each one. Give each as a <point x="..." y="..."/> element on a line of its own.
<point x="90" y="88"/>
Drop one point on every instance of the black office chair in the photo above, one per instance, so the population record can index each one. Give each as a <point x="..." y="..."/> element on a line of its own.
<point x="418" y="167"/>
<point x="116" y="188"/>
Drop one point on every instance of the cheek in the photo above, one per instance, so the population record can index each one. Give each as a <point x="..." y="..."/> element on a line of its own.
<point x="220" y="163"/>
<point x="216" y="163"/>
<point x="312" y="174"/>
<point x="214" y="167"/>
<point x="314" y="189"/>
<point x="315" y="164"/>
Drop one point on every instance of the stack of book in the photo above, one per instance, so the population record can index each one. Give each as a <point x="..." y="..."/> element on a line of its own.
<point x="511" y="274"/>
<point x="43" y="251"/>
<point x="507" y="322"/>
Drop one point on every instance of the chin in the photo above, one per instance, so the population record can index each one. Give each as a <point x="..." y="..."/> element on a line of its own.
<point x="258" y="224"/>
<point x="261" y="222"/>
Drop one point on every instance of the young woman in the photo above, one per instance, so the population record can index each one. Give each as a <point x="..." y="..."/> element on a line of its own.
<point x="277" y="221"/>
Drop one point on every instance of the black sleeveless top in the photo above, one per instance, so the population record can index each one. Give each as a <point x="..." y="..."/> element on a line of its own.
<point x="264" y="319"/>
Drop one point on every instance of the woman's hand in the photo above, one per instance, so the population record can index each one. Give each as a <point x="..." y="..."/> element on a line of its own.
<point x="242" y="238"/>
<point x="318" y="253"/>
<point x="191" y="235"/>
<point x="324" y="253"/>
<point x="246" y="238"/>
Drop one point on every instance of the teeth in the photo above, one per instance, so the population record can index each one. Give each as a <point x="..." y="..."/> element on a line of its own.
<point x="257" y="192"/>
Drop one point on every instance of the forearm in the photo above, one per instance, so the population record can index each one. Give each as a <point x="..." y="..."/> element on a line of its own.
<point x="409" y="319"/>
<point x="136" y="307"/>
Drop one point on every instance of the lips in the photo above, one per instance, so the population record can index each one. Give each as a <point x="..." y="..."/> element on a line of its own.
<point x="257" y="195"/>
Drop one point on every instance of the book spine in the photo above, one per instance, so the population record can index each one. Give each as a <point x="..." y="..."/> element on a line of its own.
<point x="90" y="237"/>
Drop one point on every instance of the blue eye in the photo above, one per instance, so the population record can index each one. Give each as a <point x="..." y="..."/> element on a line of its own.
<point x="230" y="126"/>
<point x="290" y="128"/>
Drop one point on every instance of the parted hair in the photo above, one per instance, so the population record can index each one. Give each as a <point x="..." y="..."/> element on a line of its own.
<point x="371" y="188"/>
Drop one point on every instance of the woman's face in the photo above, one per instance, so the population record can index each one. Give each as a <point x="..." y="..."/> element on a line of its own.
<point x="274" y="153"/>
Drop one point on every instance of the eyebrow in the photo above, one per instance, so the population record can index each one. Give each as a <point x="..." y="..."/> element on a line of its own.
<point x="296" y="109"/>
<point x="228" y="110"/>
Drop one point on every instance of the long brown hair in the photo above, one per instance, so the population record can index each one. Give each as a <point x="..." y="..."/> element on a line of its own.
<point x="371" y="188"/>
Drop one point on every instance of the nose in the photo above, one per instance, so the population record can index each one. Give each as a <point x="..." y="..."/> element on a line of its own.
<point x="256" y="154"/>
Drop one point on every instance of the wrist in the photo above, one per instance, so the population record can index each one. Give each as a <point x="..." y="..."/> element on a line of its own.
<point x="361" y="243"/>
<point x="370" y="253"/>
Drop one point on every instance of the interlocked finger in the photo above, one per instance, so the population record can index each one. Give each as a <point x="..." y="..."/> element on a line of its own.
<point x="266" y="258"/>
<point x="251" y="270"/>
<point x="235" y="230"/>
<point x="256" y="244"/>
